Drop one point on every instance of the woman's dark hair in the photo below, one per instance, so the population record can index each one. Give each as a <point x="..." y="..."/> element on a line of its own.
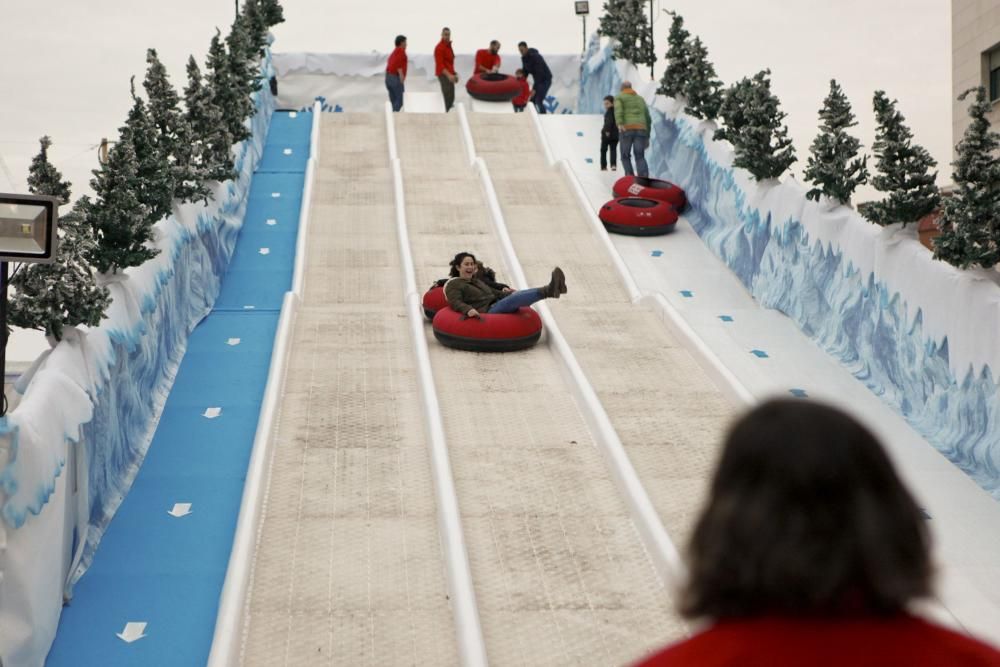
<point x="400" y="39"/>
<point x="457" y="260"/>
<point x="609" y="98"/>
<point x="806" y="515"/>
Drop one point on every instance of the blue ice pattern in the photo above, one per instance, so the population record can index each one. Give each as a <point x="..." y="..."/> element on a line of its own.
<point x="870" y="329"/>
<point x="131" y="362"/>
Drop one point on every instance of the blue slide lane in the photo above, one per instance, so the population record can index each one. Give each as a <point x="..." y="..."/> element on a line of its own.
<point x="166" y="570"/>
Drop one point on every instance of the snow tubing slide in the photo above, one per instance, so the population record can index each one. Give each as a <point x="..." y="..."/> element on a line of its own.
<point x="497" y="332"/>
<point x="638" y="216"/>
<point x="650" y="188"/>
<point x="493" y="87"/>
<point x="433" y="301"/>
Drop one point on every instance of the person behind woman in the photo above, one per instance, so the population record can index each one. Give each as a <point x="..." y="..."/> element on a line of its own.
<point x="471" y="296"/>
<point x="809" y="552"/>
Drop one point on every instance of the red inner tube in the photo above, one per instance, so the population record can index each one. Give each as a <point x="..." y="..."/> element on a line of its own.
<point x="433" y="301"/>
<point x="493" y="87"/>
<point x="638" y="216"/>
<point x="650" y="188"/>
<point x="488" y="332"/>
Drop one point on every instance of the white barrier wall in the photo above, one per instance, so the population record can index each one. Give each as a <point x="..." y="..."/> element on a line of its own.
<point x="356" y="81"/>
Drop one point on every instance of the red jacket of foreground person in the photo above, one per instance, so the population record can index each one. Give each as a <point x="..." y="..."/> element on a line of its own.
<point x="397" y="61"/>
<point x="444" y="58"/>
<point x="486" y="59"/>
<point x="898" y="641"/>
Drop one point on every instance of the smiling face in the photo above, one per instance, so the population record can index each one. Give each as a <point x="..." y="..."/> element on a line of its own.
<point x="467" y="269"/>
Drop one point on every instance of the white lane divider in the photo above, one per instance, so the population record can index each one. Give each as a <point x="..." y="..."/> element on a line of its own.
<point x="134" y="630"/>
<point x="179" y="510"/>
<point x="232" y="342"/>
<point x="211" y="413"/>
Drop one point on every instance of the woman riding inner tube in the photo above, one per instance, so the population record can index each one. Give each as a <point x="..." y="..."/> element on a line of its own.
<point x="434" y="299"/>
<point x="470" y="296"/>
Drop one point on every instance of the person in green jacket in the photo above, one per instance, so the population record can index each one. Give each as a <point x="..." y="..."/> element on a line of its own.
<point x="470" y="296"/>
<point x="632" y="117"/>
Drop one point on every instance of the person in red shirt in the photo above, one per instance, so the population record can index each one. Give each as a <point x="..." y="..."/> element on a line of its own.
<point x="444" y="68"/>
<point x="810" y="551"/>
<point x="395" y="73"/>
<point x="522" y="99"/>
<point x="488" y="60"/>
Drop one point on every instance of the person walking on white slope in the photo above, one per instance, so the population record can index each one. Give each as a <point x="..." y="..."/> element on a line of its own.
<point x="632" y="117"/>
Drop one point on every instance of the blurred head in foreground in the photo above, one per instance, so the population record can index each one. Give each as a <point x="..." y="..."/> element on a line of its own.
<point x="805" y="516"/>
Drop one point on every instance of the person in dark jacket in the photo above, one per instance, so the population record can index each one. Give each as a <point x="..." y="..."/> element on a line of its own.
<point x="811" y="551"/>
<point x="609" y="135"/>
<point x="470" y="296"/>
<point x="534" y="65"/>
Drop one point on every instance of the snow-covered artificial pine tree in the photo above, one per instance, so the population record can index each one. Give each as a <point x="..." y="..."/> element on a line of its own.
<point x="702" y="87"/>
<point x="63" y="293"/>
<point x="970" y="221"/>
<point x="174" y="134"/>
<point x="752" y="124"/>
<point x="243" y="66"/>
<point x="122" y="222"/>
<point x="626" y="23"/>
<point x="272" y="12"/>
<point x="212" y="141"/>
<point x="225" y="92"/>
<point x="154" y="183"/>
<point x="903" y="170"/>
<point x="44" y="178"/>
<point x="256" y="23"/>
<point x="678" y="59"/>
<point x="834" y="166"/>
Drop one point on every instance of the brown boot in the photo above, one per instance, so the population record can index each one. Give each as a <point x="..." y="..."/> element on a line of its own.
<point x="556" y="286"/>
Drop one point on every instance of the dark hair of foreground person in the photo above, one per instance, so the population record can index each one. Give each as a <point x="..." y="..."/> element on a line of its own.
<point x="811" y="551"/>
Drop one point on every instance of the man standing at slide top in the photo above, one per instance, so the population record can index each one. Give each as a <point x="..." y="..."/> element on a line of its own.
<point x="444" y="68"/>
<point x="534" y="65"/>
<point x="395" y="73"/>
<point x="488" y="60"/>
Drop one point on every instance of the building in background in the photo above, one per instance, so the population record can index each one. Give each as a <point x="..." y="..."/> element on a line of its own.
<point x="975" y="58"/>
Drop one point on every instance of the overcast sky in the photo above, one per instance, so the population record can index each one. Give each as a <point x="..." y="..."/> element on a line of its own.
<point x="66" y="63"/>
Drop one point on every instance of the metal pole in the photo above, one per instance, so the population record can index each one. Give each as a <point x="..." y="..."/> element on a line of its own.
<point x="3" y="335"/>
<point x="584" y="33"/>
<point x="652" y="42"/>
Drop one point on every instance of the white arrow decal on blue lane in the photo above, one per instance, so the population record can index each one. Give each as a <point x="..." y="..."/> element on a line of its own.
<point x="265" y="251"/>
<point x="271" y="222"/>
<point x="180" y="509"/>
<point x="233" y="342"/>
<point x="211" y="413"/>
<point x="132" y="632"/>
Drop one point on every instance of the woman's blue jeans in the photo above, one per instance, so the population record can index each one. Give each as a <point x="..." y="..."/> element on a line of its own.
<point x="515" y="300"/>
